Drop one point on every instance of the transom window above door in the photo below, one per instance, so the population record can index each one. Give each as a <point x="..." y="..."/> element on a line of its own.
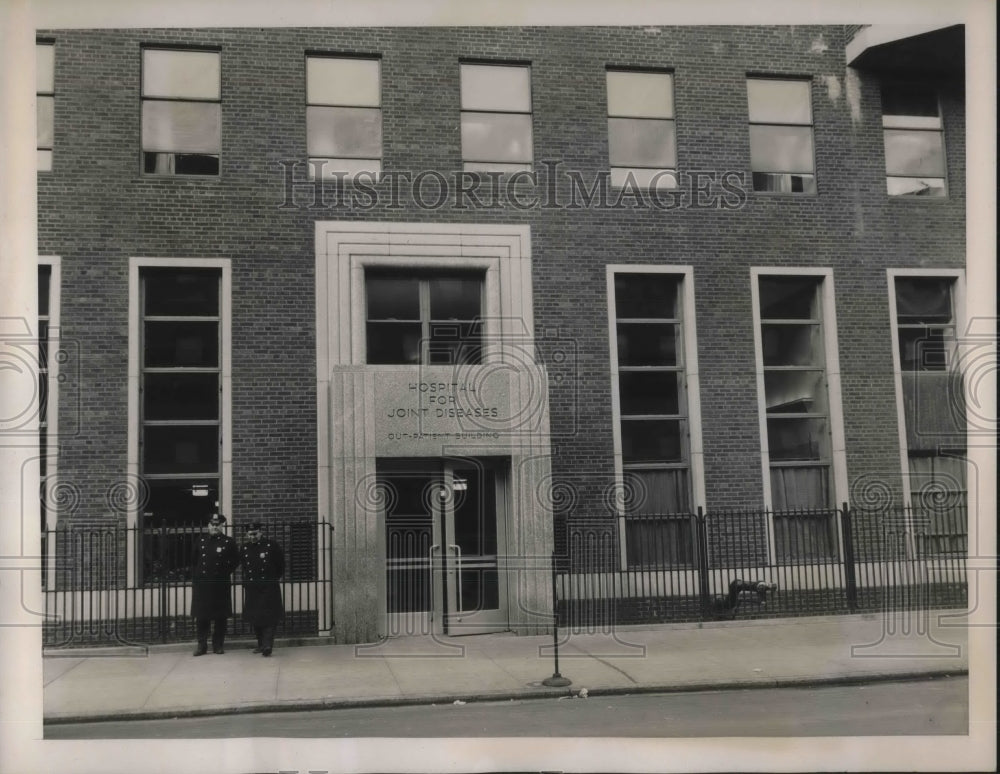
<point x="426" y="318"/>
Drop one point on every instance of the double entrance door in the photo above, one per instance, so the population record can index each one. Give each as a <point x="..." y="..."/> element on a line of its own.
<point x="444" y="526"/>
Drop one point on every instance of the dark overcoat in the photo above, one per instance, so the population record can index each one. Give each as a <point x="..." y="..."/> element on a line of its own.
<point x="216" y="556"/>
<point x="263" y="566"/>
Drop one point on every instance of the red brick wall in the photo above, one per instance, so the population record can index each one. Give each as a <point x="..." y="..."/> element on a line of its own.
<point x="97" y="210"/>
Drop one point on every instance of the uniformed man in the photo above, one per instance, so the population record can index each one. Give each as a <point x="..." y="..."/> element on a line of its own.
<point x="263" y="566"/>
<point x="216" y="556"/>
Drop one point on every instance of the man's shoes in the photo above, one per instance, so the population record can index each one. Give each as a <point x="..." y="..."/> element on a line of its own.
<point x="258" y="649"/>
<point x="202" y="650"/>
<point x="266" y="652"/>
<point x="218" y="651"/>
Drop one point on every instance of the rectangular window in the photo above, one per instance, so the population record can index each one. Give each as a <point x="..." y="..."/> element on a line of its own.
<point x="181" y="111"/>
<point x="496" y="118"/>
<point x="797" y="415"/>
<point x="429" y="319"/>
<point x="653" y="418"/>
<point x="925" y="323"/>
<point x="44" y="469"/>
<point x="343" y="116"/>
<point x="45" y="98"/>
<point x="914" y="141"/>
<point x="781" y="135"/>
<point x="180" y="410"/>
<point x="933" y="412"/>
<point x="641" y="136"/>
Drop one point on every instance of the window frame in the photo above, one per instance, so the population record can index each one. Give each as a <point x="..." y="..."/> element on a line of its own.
<point x="423" y="278"/>
<point x="135" y="377"/>
<point x="808" y="80"/>
<point x="375" y="174"/>
<point x="44" y="94"/>
<point x="958" y="311"/>
<point x="837" y="465"/>
<point x="143" y="100"/>
<point x="936" y="92"/>
<point x="493" y="165"/>
<point x="667" y="174"/>
<point x="49" y="427"/>
<point x="690" y="386"/>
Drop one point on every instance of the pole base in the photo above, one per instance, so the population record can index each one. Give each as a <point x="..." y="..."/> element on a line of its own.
<point x="557" y="681"/>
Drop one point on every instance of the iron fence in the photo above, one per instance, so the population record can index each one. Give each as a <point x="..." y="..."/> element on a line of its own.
<point x="116" y="585"/>
<point x="112" y="585"/>
<point x="758" y="563"/>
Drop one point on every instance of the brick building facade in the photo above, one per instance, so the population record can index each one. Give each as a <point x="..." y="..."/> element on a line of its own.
<point x="730" y="335"/>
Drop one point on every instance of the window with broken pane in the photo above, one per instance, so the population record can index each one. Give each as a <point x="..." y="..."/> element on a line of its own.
<point x="45" y="98"/>
<point x="914" y="141"/>
<point x="424" y="318"/>
<point x="925" y="322"/>
<point x="181" y="111"/>
<point x="180" y="399"/>
<point x="797" y="414"/>
<point x="642" y="143"/>
<point x="933" y="411"/>
<point x="653" y="419"/>
<point x="343" y="116"/>
<point x="496" y="118"/>
<point x="781" y="135"/>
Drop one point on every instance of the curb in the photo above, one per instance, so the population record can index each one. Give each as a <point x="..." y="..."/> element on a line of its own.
<point x="431" y="699"/>
<point x="115" y="651"/>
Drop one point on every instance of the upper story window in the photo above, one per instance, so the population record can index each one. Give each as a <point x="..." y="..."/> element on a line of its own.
<point x="496" y="118"/>
<point x="181" y="111"/>
<point x="641" y="136"/>
<point x="343" y="116"/>
<point x="429" y="319"/>
<point x="914" y="141"/>
<point x="45" y="101"/>
<point x="781" y="135"/>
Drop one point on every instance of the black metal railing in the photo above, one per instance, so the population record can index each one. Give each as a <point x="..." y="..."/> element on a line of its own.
<point x="116" y="585"/>
<point x="758" y="563"/>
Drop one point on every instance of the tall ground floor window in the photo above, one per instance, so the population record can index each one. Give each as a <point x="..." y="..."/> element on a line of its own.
<point x="795" y="402"/>
<point x="653" y="423"/>
<point x="180" y="408"/>
<point x="48" y="315"/>
<point x="926" y="317"/>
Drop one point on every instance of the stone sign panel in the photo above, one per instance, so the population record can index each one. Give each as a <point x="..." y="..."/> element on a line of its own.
<point x="418" y="412"/>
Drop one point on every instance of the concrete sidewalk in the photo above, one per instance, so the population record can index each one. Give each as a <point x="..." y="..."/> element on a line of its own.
<point x="166" y="681"/>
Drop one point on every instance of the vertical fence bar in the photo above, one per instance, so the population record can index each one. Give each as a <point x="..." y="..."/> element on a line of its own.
<point x="703" y="563"/>
<point x="850" y="572"/>
<point x="163" y="591"/>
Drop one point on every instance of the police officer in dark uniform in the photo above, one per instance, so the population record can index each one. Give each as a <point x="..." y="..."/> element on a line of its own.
<point x="216" y="556"/>
<point x="263" y="566"/>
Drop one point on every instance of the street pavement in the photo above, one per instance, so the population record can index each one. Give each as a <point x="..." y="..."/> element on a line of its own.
<point x="166" y="682"/>
<point x="937" y="706"/>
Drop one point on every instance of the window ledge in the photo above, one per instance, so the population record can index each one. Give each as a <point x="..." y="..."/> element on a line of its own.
<point x="929" y="200"/>
<point x="784" y="195"/>
<point x="187" y="178"/>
